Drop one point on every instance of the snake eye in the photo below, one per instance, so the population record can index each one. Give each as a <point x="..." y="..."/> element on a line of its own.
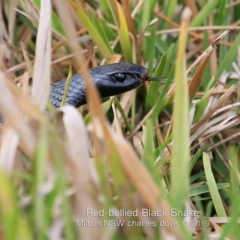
<point x="120" y="77"/>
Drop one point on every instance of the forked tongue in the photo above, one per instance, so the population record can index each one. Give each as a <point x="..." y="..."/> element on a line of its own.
<point x="155" y="78"/>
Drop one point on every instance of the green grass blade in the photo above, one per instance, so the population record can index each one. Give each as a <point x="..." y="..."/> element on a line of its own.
<point x="9" y="212"/>
<point x="180" y="151"/>
<point x="194" y="191"/>
<point x="204" y="13"/>
<point x="103" y="46"/>
<point x="217" y="202"/>
<point x="120" y="109"/>
<point x="148" y="153"/>
<point x="232" y="227"/>
<point x="39" y="178"/>
<point x="229" y="57"/>
<point x="154" y="86"/>
<point x="124" y="36"/>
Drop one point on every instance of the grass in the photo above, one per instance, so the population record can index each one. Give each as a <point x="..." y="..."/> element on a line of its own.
<point x="160" y="161"/>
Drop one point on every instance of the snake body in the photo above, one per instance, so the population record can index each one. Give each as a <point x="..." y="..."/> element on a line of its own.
<point x="110" y="79"/>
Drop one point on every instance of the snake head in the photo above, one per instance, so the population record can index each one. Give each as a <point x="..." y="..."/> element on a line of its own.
<point x="117" y="78"/>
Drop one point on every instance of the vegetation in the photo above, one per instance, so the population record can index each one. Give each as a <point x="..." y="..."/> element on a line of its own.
<point x="159" y="162"/>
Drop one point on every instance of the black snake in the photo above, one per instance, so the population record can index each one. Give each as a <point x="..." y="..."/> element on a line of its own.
<point x="109" y="79"/>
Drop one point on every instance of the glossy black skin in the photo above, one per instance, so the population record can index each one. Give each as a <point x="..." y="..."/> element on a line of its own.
<point x="110" y="80"/>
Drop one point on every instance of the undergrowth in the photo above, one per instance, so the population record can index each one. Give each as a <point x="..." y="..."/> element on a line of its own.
<point x="158" y="162"/>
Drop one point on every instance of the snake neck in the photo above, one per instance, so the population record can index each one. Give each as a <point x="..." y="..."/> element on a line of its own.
<point x="76" y="95"/>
